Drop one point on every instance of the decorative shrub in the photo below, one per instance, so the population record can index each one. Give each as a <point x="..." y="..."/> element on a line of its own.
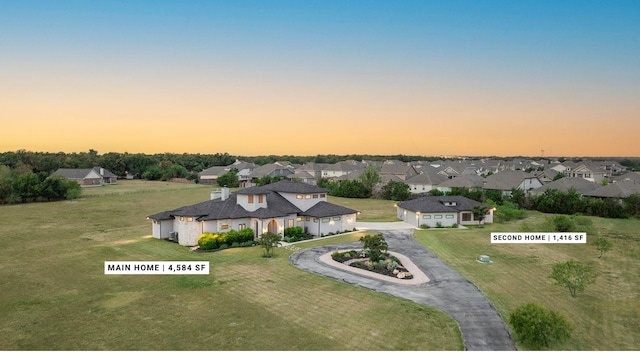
<point x="212" y="241"/>
<point x="439" y="225"/>
<point x="392" y="266"/>
<point x="207" y="241"/>
<point x="424" y="226"/>
<point x="294" y="232"/>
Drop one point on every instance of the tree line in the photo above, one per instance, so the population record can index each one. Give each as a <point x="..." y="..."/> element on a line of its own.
<point x="17" y="187"/>
<point x="137" y="164"/>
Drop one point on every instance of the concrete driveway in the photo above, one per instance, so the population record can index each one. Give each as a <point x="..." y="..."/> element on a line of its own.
<point x="396" y="225"/>
<point x="481" y="326"/>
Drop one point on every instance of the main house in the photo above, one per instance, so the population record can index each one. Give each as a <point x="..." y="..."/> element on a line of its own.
<point x="269" y="208"/>
<point x="443" y="210"/>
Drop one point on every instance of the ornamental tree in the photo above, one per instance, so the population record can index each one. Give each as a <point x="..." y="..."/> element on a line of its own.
<point x="603" y="245"/>
<point x="268" y="241"/>
<point x="573" y="275"/>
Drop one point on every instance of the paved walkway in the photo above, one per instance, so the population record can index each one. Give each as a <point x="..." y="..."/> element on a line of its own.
<point x="481" y="326"/>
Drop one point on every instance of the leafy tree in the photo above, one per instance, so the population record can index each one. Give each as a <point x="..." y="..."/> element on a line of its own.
<point x="479" y="212"/>
<point x="435" y="192"/>
<point x="632" y="205"/>
<point x="474" y="194"/>
<point x="518" y="197"/>
<point x="558" y="202"/>
<point x="27" y="186"/>
<point x="494" y="195"/>
<point x="376" y="245"/>
<point x="152" y="173"/>
<point x="54" y="188"/>
<point x="230" y="179"/>
<point x="537" y="327"/>
<point x="6" y="184"/>
<point x="73" y="189"/>
<point x="327" y="184"/>
<point x="370" y="178"/>
<point x="175" y="171"/>
<point x="573" y="275"/>
<point x="558" y="176"/>
<point x="268" y="241"/>
<point x="563" y="223"/>
<point x="265" y="180"/>
<point x="603" y="245"/>
<point x="506" y="212"/>
<point x="397" y="191"/>
<point x="350" y="189"/>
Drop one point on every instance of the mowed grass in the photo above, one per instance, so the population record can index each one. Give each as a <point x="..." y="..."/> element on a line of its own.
<point x="374" y="210"/>
<point x="54" y="294"/>
<point x="606" y="316"/>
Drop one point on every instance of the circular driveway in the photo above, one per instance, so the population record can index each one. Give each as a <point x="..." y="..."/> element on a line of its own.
<point x="480" y="323"/>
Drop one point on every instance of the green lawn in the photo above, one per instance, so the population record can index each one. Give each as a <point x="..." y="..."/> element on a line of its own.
<point x="370" y="209"/>
<point x="606" y="316"/>
<point x="54" y="294"/>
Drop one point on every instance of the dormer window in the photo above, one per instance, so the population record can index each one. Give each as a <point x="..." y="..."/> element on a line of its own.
<point x="250" y="199"/>
<point x="299" y="196"/>
<point x="260" y="198"/>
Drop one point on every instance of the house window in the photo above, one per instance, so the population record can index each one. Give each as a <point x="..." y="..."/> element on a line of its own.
<point x="466" y="216"/>
<point x="299" y="196"/>
<point x="242" y="226"/>
<point x="323" y="195"/>
<point x="181" y="218"/>
<point x="315" y="196"/>
<point x="337" y="218"/>
<point x="250" y="199"/>
<point x="426" y="216"/>
<point x="190" y="219"/>
<point x="224" y="227"/>
<point x="290" y="223"/>
<point x="326" y="220"/>
<point x="299" y="219"/>
<point x="315" y="220"/>
<point x="307" y="197"/>
<point x="437" y="216"/>
<point x="307" y="219"/>
<point x="449" y="216"/>
<point x="260" y="198"/>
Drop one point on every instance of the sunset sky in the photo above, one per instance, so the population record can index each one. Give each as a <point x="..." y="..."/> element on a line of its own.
<point x="321" y="77"/>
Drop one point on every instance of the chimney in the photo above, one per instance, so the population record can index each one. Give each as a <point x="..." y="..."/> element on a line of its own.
<point x="225" y="193"/>
<point x="101" y="172"/>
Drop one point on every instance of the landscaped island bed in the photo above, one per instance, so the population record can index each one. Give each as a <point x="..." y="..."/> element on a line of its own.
<point x="389" y="265"/>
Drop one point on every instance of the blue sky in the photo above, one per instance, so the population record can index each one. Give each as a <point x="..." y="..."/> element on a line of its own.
<point x="501" y="65"/>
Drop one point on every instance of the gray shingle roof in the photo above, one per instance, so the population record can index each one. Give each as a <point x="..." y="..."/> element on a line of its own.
<point x="326" y="209"/>
<point x="277" y="206"/>
<point x="435" y="204"/>
<point x="426" y="178"/>
<point x="506" y="180"/>
<point x="620" y="189"/>
<point x="463" y="181"/>
<point x="580" y="185"/>
<point x="217" y="209"/>
<point x="73" y="173"/>
<point x="284" y="186"/>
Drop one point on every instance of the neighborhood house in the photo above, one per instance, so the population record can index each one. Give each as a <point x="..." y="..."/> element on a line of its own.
<point x="269" y="208"/>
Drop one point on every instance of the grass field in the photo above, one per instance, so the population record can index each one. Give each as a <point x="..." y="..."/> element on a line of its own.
<point x="54" y="294"/>
<point x="606" y="316"/>
<point x="370" y="209"/>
